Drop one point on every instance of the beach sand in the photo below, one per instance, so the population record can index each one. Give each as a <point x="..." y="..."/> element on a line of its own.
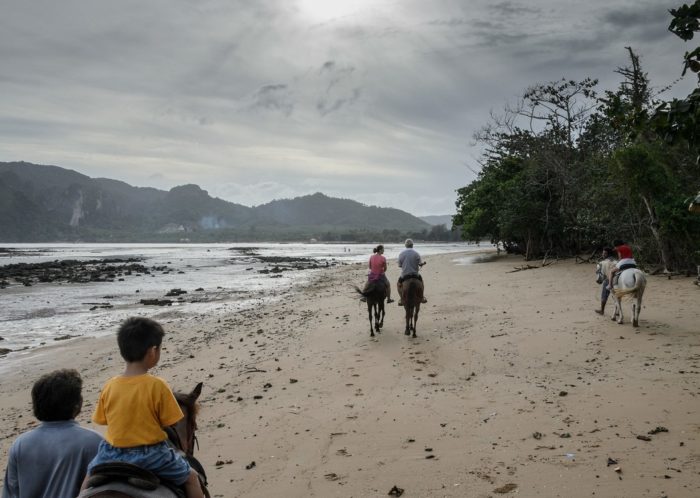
<point x="514" y="386"/>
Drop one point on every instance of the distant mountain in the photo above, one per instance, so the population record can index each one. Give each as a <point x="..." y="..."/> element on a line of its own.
<point x="440" y="219"/>
<point x="48" y="203"/>
<point x="319" y="209"/>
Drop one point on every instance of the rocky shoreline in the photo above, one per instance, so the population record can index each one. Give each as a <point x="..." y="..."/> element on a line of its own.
<point x="74" y="271"/>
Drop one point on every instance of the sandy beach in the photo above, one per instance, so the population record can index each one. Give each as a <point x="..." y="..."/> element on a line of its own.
<point x="513" y="387"/>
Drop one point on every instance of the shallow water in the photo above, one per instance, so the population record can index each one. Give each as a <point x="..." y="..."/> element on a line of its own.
<point x="227" y="273"/>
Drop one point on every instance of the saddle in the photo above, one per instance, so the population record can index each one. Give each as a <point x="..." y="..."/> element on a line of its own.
<point x="616" y="277"/>
<point x="130" y="474"/>
<point x="410" y="276"/>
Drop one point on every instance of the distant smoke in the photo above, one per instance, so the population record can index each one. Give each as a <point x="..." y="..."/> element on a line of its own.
<point x="211" y="222"/>
<point x="78" y="213"/>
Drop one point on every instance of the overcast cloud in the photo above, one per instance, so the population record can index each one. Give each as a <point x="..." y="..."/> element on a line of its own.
<point x="372" y="100"/>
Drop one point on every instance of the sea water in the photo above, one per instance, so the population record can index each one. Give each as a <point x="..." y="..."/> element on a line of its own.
<point x="229" y="276"/>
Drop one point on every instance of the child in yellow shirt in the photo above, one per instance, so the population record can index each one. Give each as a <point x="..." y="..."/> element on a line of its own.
<point x="136" y="405"/>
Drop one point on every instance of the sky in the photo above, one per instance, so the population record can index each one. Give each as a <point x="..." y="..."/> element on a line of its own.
<point x="371" y="100"/>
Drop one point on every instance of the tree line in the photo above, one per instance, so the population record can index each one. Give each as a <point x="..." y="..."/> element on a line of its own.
<point x="568" y="169"/>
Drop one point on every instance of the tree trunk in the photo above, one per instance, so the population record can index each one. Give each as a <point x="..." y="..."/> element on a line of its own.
<point x="654" y="226"/>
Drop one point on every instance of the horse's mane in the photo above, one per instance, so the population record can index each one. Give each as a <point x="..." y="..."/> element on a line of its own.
<point x="186" y="400"/>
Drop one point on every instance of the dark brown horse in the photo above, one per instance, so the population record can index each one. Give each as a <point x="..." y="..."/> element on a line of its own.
<point x="411" y="297"/>
<point x="375" y="293"/>
<point x="183" y="437"/>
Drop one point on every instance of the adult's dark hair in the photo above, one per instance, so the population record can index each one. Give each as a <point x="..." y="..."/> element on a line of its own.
<point x="378" y="248"/>
<point x="618" y="242"/>
<point x="57" y="396"/>
<point x="136" y="335"/>
<point x="609" y="250"/>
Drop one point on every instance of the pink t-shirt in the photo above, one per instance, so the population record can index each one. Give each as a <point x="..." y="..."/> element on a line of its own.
<point x="377" y="262"/>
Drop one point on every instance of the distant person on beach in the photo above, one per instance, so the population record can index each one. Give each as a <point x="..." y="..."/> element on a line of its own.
<point x="136" y="405"/>
<point x="605" y="267"/>
<point x="377" y="271"/>
<point x="625" y="261"/>
<point x="410" y="263"/>
<point x="51" y="460"/>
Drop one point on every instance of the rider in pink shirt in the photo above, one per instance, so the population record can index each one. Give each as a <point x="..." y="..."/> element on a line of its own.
<point x="377" y="270"/>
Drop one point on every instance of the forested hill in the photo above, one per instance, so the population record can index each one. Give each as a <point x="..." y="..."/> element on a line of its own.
<point x="49" y="203"/>
<point x="319" y="209"/>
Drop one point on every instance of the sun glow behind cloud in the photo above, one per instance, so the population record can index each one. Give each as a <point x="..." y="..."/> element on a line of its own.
<point x="326" y="10"/>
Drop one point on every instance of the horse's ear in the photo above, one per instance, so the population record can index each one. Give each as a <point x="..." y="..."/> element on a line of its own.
<point x="194" y="395"/>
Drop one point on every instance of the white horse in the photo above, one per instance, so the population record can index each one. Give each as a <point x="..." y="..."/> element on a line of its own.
<point x="632" y="283"/>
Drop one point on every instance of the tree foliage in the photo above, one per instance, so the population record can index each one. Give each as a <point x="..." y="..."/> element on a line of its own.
<point x="567" y="170"/>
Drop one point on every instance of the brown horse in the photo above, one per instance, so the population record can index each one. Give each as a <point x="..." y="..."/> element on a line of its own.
<point x="375" y="292"/>
<point x="183" y="437"/>
<point x="411" y="297"/>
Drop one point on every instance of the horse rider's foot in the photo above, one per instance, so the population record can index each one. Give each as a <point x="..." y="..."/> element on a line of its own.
<point x="424" y="300"/>
<point x="600" y="312"/>
<point x="363" y="299"/>
<point x="389" y="300"/>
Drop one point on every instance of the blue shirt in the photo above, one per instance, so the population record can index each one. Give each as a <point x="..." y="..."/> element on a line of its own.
<point x="409" y="261"/>
<point x="50" y="461"/>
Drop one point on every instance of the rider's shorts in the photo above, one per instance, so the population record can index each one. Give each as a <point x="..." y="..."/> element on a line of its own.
<point x="159" y="458"/>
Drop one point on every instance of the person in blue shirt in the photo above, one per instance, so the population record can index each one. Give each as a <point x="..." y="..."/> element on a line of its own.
<point x="410" y="263"/>
<point x="51" y="460"/>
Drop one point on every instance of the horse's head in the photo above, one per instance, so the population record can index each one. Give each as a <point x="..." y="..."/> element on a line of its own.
<point x="186" y="428"/>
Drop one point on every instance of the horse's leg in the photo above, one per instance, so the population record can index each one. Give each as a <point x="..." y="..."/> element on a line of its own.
<point x="620" y="317"/>
<point x="415" y="319"/>
<point x="616" y="308"/>
<point x="381" y="315"/>
<point x="409" y="312"/>
<point x="371" y="325"/>
<point x="636" y="307"/>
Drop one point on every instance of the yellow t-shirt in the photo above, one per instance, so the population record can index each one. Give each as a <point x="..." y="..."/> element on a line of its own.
<point x="135" y="410"/>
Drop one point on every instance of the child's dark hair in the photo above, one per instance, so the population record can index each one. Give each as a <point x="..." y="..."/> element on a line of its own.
<point x="378" y="248"/>
<point x="57" y="396"/>
<point x="136" y="335"/>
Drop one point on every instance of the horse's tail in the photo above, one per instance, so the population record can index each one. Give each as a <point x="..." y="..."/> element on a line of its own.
<point x="413" y="292"/>
<point x="640" y="283"/>
<point x="369" y="288"/>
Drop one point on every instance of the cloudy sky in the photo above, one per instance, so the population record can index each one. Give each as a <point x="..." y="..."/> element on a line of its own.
<point x="255" y="100"/>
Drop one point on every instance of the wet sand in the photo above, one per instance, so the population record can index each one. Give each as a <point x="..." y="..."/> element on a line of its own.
<point x="514" y="386"/>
